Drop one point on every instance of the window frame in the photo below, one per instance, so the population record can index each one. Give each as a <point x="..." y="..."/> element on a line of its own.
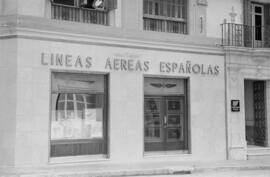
<point x="105" y="123"/>
<point x="165" y="22"/>
<point x="80" y="13"/>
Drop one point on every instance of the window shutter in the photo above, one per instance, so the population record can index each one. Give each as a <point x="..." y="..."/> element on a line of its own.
<point x="247" y="13"/>
<point x="110" y="4"/>
<point x="248" y="23"/>
<point x="267" y="14"/>
<point x="267" y="25"/>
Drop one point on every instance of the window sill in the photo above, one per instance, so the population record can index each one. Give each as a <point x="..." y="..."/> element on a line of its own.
<point x="166" y="154"/>
<point x="158" y="17"/>
<point x="75" y="159"/>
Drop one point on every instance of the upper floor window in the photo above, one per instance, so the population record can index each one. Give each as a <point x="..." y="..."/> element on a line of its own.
<point x="86" y="11"/>
<point x="165" y="15"/>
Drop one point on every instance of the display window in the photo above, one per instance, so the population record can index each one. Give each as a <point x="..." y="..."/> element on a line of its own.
<point x="78" y="115"/>
<point x="165" y="115"/>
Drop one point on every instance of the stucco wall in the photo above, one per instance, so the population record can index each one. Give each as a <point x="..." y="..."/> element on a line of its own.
<point x="131" y="14"/>
<point x="32" y="7"/>
<point x="37" y="8"/>
<point x="207" y="110"/>
<point x="8" y="77"/>
<point x="9" y="7"/>
<point x="219" y="10"/>
<point x="242" y="64"/>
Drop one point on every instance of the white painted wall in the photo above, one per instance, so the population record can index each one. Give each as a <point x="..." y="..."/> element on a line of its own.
<point x="8" y="75"/>
<point x="35" y="8"/>
<point x="9" y="7"/>
<point x="208" y="138"/>
<point x="218" y="10"/>
<point x="32" y="7"/>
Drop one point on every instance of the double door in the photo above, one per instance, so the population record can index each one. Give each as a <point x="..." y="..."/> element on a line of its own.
<point x="164" y="123"/>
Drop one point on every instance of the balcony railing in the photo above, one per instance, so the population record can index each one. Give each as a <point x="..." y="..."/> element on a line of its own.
<point x="245" y="36"/>
<point x="163" y="24"/>
<point x="78" y="14"/>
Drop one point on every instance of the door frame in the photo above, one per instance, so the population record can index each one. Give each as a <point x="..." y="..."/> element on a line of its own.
<point x="164" y="125"/>
<point x="253" y="14"/>
<point x="187" y="132"/>
<point x="266" y="107"/>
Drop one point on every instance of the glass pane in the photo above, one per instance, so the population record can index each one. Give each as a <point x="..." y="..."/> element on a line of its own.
<point x="80" y="106"/>
<point x="79" y="97"/>
<point x="145" y="6"/>
<point x="174" y="120"/>
<point x="70" y="106"/>
<point x="173" y="105"/>
<point x="152" y="120"/>
<point x="90" y="99"/>
<point x="70" y="97"/>
<point x="156" y="9"/>
<point x="258" y="27"/>
<point x="75" y="121"/>
<point x="150" y="8"/>
<point x="152" y="133"/>
<point x="62" y="96"/>
<point x="258" y="20"/>
<point x="60" y="105"/>
<point x="65" y="2"/>
<point x="173" y="134"/>
<point x="152" y="105"/>
<point x="258" y="9"/>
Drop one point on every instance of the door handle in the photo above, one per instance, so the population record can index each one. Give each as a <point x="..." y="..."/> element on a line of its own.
<point x="165" y="120"/>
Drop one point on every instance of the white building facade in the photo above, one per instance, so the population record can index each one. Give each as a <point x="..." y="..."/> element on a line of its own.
<point x="133" y="81"/>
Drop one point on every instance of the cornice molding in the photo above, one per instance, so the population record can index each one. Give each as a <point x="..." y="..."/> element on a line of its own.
<point x="245" y="51"/>
<point x="64" y="31"/>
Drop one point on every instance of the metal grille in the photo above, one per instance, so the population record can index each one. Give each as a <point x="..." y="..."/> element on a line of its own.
<point x="77" y="14"/>
<point x="245" y="36"/>
<point x="165" y="16"/>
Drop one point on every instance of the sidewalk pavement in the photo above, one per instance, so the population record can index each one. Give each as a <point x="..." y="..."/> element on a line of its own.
<point x="135" y="169"/>
<point x="230" y="173"/>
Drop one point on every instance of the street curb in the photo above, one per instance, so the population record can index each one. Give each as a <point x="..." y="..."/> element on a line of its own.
<point x="111" y="173"/>
<point x="232" y="168"/>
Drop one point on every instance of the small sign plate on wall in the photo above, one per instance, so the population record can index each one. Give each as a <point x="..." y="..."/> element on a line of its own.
<point x="235" y="105"/>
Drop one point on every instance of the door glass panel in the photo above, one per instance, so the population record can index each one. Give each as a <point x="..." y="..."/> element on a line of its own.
<point x="152" y="133"/>
<point x="258" y="20"/>
<point x="152" y="105"/>
<point x="152" y="119"/>
<point x="65" y="2"/>
<point x="165" y="124"/>
<point x="173" y="134"/>
<point x="174" y="120"/>
<point x="173" y="105"/>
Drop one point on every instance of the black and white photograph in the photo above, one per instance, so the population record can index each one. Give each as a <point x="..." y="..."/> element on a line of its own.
<point x="134" y="88"/>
